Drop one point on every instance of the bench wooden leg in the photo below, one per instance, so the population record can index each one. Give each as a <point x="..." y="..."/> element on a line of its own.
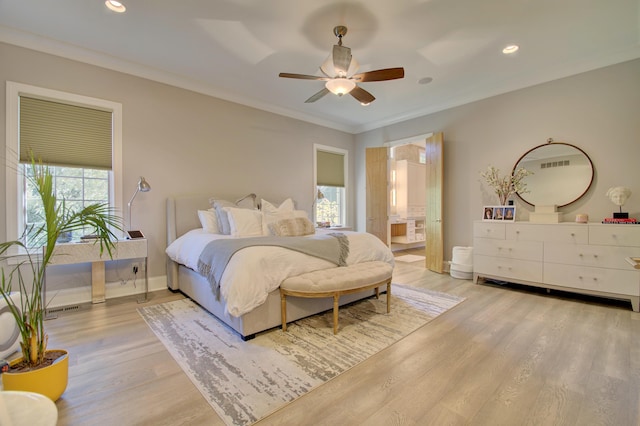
<point x="389" y="297"/>
<point x="283" y="307"/>
<point x="336" y="298"/>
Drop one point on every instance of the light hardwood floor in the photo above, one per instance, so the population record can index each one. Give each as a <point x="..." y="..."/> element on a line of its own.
<point x="505" y="356"/>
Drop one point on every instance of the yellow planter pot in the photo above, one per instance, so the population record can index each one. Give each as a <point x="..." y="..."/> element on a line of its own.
<point x="50" y="381"/>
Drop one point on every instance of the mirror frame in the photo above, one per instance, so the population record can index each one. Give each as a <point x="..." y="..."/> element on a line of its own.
<point x="551" y="142"/>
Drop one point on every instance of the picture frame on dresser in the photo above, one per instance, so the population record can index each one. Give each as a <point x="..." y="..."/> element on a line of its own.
<point x="498" y="213"/>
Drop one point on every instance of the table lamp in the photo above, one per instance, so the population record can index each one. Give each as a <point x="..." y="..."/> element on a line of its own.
<point x="143" y="186"/>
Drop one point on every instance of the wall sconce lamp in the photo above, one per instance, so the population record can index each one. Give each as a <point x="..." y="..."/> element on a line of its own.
<point x="143" y="186"/>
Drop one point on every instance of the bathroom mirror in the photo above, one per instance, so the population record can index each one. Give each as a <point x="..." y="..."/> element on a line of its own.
<point x="562" y="173"/>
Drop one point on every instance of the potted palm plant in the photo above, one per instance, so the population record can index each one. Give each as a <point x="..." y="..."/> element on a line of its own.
<point x="39" y="369"/>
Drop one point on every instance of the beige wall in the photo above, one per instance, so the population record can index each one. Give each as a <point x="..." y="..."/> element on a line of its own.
<point x="184" y="142"/>
<point x="599" y="111"/>
<point x="181" y="141"/>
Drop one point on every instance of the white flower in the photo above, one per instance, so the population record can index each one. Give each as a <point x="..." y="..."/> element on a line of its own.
<point x="506" y="186"/>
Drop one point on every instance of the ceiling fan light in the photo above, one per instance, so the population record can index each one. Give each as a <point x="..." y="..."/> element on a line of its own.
<point x="115" y="5"/>
<point x="340" y="86"/>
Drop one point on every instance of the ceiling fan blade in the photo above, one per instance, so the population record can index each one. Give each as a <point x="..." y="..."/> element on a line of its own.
<point x="362" y="95"/>
<point x="303" y="76"/>
<point x="380" y="75"/>
<point x="317" y="96"/>
<point x="341" y="59"/>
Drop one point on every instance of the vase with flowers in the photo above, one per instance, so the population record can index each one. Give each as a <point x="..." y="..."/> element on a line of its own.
<point x="507" y="185"/>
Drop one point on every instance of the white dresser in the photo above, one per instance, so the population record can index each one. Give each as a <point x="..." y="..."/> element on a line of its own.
<point x="583" y="258"/>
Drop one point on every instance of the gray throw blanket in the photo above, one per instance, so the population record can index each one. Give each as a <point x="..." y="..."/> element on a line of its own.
<point x="213" y="260"/>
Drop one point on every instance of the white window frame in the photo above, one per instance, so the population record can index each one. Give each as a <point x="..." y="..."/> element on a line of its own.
<point x="14" y="180"/>
<point x="333" y="150"/>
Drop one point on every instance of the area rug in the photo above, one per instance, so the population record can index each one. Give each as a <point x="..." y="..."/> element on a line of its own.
<point x="246" y="381"/>
<point x="409" y="258"/>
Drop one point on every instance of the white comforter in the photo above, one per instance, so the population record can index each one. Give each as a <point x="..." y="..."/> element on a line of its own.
<point x="254" y="272"/>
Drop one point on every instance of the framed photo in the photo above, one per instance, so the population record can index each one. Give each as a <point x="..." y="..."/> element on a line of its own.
<point x="499" y="213"/>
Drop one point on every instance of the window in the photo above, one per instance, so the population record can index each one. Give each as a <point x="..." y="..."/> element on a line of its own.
<point x="86" y="166"/>
<point x="331" y="183"/>
<point x="78" y="187"/>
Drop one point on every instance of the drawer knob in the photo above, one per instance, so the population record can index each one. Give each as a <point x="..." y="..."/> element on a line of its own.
<point x="595" y="256"/>
<point x="580" y="255"/>
<point x="573" y="235"/>
<point x="595" y="279"/>
<point x="579" y="277"/>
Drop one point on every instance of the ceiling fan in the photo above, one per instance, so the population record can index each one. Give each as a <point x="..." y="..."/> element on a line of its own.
<point x="339" y="71"/>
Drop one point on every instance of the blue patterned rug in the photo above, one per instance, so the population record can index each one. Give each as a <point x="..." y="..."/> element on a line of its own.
<point x="246" y="381"/>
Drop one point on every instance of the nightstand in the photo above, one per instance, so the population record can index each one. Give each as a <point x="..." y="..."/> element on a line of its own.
<point x="89" y="252"/>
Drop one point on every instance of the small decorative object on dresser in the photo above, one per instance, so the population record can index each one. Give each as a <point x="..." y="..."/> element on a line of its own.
<point x="508" y="185"/>
<point x="618" y="196"/>
<point x="582" y="218"/>
<point x="499" y="213"/>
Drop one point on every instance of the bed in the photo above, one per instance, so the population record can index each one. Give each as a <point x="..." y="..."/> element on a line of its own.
<point x="256" y="308"/>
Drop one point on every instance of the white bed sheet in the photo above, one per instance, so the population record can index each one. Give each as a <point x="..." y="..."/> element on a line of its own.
<point x="253" y="272"/>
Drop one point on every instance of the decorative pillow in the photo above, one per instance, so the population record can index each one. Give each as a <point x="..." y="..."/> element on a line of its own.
<point x="271" y="213"/>
<point x="209" y="220"/>
<point x="244" y="222"/>
<point x="293" y="227"/>
<point x="301" y="213"/>
<point x="287" y="205"/>
<point x="223" y="220"/>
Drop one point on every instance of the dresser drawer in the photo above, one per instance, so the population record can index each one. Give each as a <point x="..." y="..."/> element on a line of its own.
<point x="507" y="268"/>
<point x="561" y="233"/>
<point x="489" y="230"/>
<point x="615" y="235"/>
<point x="524" y="250"/>
<point x="595" y="279"/>
<point x="590" y="255"/>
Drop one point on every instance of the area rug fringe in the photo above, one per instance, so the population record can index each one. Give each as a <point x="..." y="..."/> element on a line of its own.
<point x="246" y="381"/>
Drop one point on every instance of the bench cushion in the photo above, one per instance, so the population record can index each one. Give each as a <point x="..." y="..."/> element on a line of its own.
<point x="339" y="278"/>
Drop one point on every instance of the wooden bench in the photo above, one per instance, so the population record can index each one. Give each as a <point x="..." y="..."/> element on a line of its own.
<point x="335" y="282"/>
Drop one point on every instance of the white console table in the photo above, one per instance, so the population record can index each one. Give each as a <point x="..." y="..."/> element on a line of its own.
<point x="583" y="258"/>
<point x="89" y="252"/>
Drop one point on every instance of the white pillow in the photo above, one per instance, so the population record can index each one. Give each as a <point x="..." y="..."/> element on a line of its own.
<point x="287" y="205"/>
<point x="244" y="222"/>
<point x="272" y="214"/>
<point x="209" y="221"/>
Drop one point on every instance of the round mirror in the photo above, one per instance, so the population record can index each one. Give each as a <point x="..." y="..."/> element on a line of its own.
<point x="562" y="173"/>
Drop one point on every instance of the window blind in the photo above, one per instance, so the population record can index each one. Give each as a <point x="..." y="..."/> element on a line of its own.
<point x="65" y="135"/>
<point x="330" y="169"/>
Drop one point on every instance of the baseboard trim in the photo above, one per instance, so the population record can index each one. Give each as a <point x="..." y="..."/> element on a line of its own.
<point x="78" y="296"/>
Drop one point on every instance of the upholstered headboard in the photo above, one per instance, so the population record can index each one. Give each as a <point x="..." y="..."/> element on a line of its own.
<point x="182" y="214"/>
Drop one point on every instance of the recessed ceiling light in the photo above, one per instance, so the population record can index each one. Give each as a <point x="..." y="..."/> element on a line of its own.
<point x="115" y="5"/>
<point x="425" y="80"/>
<point x="512" y="48"/>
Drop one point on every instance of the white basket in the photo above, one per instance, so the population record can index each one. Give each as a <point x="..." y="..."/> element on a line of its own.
<point x="462" y="255"/>
<point x="460" y="275"/>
